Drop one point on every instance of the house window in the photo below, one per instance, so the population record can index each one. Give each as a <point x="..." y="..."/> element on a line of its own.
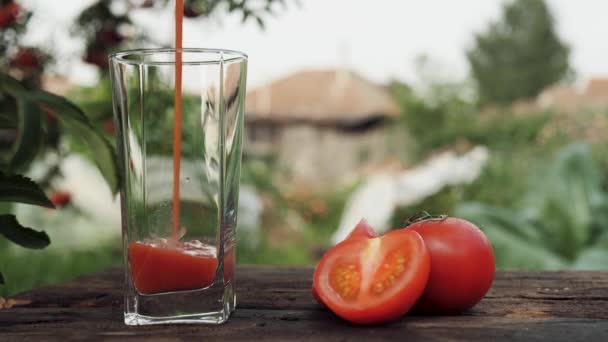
<point x="263" y="133"/>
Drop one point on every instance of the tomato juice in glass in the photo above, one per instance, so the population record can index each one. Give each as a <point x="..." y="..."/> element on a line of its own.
<point x="180" y="167"/>
<point x="183" y="268"/>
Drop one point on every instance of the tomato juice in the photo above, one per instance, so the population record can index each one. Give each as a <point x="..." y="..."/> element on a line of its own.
<point x="157" y="266"/>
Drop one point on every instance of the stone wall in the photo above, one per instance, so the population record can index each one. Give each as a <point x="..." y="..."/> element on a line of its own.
<point x="325" y="156"/>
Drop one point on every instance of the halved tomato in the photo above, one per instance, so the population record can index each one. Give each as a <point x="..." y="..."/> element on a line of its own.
<point x="375" y="280"/>
<point x="361" y="230"/>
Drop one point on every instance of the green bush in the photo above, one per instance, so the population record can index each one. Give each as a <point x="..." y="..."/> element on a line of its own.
<point x="540" y="198"/>
<point x="445" y="120"/>
<point x="561" y="221"/>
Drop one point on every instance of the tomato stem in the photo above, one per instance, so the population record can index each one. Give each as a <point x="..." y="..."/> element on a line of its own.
<point x="423" y="216"/>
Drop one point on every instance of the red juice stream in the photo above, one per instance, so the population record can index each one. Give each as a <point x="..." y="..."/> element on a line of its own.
<point x="166" y="265"/>
<point x="177" y="121"/>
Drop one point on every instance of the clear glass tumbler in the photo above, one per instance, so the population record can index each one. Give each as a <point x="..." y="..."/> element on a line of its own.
<point x="180" y="192"/>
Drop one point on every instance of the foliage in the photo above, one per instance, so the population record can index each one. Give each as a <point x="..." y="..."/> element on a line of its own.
<point x="13" y="23"/>
<point x="249" y="10"/>
<point x="559" y="222"/>
<point x="27" y="121"/>
<point x="436" y="119"/>
<point x="540" y="200"/>
<point x="106" y="25"/>
<point x="443" y="117"/>
<point x="23" y="236"/>
<point x="519" y="55"/>
<point x="67" y="113"/>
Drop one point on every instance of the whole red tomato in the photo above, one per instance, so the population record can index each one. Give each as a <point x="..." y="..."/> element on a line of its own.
<point x="462" y="265"/>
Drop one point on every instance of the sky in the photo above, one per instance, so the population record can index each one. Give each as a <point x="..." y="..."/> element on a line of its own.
<point x="379" y="39"/>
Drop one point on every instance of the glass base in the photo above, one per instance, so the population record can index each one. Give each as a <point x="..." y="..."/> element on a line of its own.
<point x="218" y="317"/>
<point x="188" y="307"/>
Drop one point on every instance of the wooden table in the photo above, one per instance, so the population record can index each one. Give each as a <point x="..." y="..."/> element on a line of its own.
<point x="274" y="303"/>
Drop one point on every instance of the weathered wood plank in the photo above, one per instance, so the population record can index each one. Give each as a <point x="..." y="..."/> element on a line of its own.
<point x="94" y="324"/>
<point x="275" y="303"/>
<point x="516" y="294"/>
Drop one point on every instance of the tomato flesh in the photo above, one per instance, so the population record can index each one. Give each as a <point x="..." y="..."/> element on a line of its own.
<point x="375" y="280"/>
<point x="345" y="279"/>
<point x="361" y="230"/>
<point x="392" y="268"/>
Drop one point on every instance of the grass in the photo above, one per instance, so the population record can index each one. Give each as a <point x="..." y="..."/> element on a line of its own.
<point x="25" y="269"/>
<point x="290" y="254"/>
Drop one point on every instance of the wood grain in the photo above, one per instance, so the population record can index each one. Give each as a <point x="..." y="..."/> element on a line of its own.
<point x="274" y="303"/>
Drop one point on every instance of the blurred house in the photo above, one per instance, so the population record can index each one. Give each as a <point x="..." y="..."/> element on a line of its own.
<point x="561" y="97"/>
<point x="564" y="99"/>
<point x="570" y="99"/>
<point x="596" y="92"/>
<point x="322" y="125"/>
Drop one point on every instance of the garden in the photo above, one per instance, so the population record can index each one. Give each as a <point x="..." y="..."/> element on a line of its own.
<point x="541" y="197"/>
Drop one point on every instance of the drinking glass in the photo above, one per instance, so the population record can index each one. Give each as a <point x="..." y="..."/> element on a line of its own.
<point x="179" y="234"/>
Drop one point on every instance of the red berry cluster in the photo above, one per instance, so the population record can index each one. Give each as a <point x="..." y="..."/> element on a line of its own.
<point x="191" y="12"/>
<point x="60" y="198"/>
<point x="26" y="59"/>
<point x="105" y="40"/>
<point x="8" y="14"/>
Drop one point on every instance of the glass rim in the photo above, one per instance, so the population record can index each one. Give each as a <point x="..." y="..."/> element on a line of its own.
<point x="229" y="56"/>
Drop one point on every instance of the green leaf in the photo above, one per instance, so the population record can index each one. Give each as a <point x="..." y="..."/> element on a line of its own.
<point x="60" y="106"/>
<point x="512" y="248"/>
<point x="30" y="137"/>
<point x="11" y="85"/>
<point x="246" y="14"/>
<point x="508" y="219"/>
<point x="565" y="197"/>
<point x="77" y="123"/>
<point x="23" y="236"/>
<point x="260" y="22"/>
<point x="16" y="188"/>
<point x="52" y="101"/>
<point x="103" y="153"/>
<point x="8" y="120"/>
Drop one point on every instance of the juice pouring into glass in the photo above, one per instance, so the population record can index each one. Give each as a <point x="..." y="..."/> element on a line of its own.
<point x="180" y="195"/>
<point x="188" y="266"/>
